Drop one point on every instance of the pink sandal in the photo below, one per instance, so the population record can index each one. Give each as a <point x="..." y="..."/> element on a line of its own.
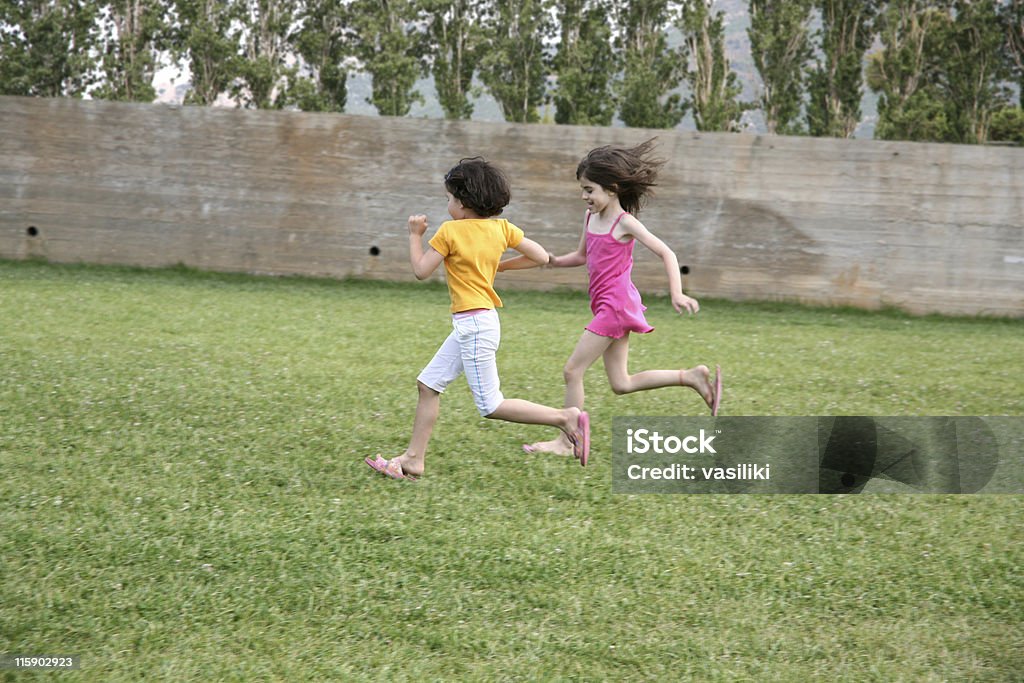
<point x="581" y="440"/>
<point x="390" y="468"/>
<point x="717" y="400"/>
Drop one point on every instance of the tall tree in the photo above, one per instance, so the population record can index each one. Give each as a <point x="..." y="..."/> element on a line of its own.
<point x="391" y="48"/>
<point x="974" y="68"/>
<point x="836" y="83"/>
<point x="585" y="64"/>
<point x="512" y="67"/>
<point x="322" y="42"/>
<point x="713" y="84"/>
<point x="455" y="53"/>
<point x="905" y="71"/>
<point x="651" y="69"/>
<point x="137" y="34"/>
<point x="268" y="27"/>
<point x="46" y="47"/>
<point x="208" y="39"/>
<point x="780" y="44"/>
<point x="1013" y="18"/>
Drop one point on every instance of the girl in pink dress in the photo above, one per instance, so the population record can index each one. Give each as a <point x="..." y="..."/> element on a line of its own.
<point x="615" y="183"/>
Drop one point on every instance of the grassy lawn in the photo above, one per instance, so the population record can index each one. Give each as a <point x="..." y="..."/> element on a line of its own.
<point x="183" y="495"/>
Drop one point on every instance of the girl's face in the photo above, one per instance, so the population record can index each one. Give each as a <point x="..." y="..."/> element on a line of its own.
<point x="455" y="208"/>
<point x="596" y="197"/>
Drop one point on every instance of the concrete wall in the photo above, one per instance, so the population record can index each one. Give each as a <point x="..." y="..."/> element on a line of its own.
<point x="921" y="227"/>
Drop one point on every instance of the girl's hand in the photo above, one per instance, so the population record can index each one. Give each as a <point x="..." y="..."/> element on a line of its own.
<point x="681" y="302"/>
<point x="417" y="225"/>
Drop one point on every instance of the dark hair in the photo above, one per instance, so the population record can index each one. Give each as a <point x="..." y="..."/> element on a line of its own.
<point x="628" y="172"/>
<point x="480" y="186"/>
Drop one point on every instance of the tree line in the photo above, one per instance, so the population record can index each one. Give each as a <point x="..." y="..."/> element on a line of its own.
<point x="942" y="69"/>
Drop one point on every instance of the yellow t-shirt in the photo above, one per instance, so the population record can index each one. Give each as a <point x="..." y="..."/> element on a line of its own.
<point x="471" y="250"/>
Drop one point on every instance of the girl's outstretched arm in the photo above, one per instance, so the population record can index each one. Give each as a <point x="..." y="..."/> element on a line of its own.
<point x="423" y="263"/>
<point x="680" y="301"/>
<point x="519" y="263"/>
<point x="573" y="258"/>
<point x="532" y="252"/>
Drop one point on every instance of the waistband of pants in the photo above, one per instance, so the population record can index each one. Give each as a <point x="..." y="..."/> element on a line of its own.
<point x="471" y="312"/>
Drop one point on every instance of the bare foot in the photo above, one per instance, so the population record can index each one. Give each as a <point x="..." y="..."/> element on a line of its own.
<point x="559" y="446"/>
<point x="410" y="465"/>
<point x="699" y="379"/>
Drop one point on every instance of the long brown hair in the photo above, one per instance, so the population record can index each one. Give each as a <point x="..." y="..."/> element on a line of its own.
<point x="629" y="172"/>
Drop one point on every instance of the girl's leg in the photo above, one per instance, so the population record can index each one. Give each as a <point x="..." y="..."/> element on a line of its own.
<point x="616" y="365"/>
<point x="525" y="412"/>
<point x="427" y="409"/>
<point x="588" y="349"/>
<point x="444" y="367"/>
<point x="479" y="339"/>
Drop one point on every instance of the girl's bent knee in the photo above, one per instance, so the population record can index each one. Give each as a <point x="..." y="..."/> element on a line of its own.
<point x="425" y="390"/>
<point x="620" y="387"/>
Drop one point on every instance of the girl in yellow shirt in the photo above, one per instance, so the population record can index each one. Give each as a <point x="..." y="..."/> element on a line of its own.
<point x="470" y="246"/>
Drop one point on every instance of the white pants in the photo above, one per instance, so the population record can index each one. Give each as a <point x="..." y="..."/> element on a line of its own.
<point x="471" y="348"/>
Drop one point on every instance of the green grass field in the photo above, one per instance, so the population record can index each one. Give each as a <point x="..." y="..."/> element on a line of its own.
<point x="183" y="495"/>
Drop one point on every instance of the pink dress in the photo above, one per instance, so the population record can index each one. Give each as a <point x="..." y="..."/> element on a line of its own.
<point x="614" y="299"/>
